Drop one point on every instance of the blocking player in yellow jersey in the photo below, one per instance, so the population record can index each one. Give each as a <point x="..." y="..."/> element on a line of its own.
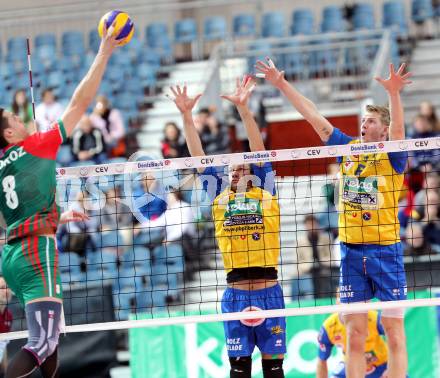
<point x="334" y="333"/>
<point x="371" y="253"/>
<point x="246" y="216"/>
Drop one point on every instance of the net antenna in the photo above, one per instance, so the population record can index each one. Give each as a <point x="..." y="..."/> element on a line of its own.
<point x="31" y="84"/>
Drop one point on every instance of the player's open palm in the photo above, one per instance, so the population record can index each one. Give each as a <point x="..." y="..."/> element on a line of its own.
<point x="242" y="92"/>
<point x="269" y="72"/>
<point x="183" y="102"/>
<point x="396" y="80"/>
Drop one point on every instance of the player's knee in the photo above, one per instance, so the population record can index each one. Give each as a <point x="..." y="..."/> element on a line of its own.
<point x="241" y="367"/>
<point x="356" y="337"/>
<point x="273" y="368"/>
<point x="43" y="320"/>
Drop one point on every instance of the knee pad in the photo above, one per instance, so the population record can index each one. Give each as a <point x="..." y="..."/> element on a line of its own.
<point x="43" y="321"/>
<point x="273" y="368"/>
<point x="241" y="367"/>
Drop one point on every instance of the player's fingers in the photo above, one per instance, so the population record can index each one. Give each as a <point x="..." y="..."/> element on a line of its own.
<point x="179" y="90"/>
<point x="379" y="79"/>
<point x="174" y="91"/>
<point x="197" y="98"/>
<point x="401" y="68"/>
<point x="270" y="62"/>
<point x="261" y="75"/>
<point x="226" y="97"/>
<point x="407" y="75"/>
<point x="407" y="82"/>
<point x="392" y="69"/>
<point x="261" y="65"/>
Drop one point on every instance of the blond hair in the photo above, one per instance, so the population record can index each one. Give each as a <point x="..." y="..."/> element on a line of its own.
<point x="383" y="111"/>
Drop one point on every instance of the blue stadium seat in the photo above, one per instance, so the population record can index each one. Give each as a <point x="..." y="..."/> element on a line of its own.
<point x="302" y="22"/>
<point x="155" y="32"/>
<point x="133" y="86"/>
<point x="17" y="45"/>
<point x="394" y="16"/>
<point x="146" y="75"/>
<point x="125" y="102"/>
<point x="94" y="40"/>
<point x="6" y="71"/>
<point x="151" y="58"/>
<point x="185" y="31"/>
<point x="214" y="28"/>
<point x="47" y="55"/>
<point x="55" y="79"/>
<point x="105" y="88"/>
<point x="332" y="19"/>
<point x="73" y="43"/>
<point x="244" y="25"/>
<point x="273" y="25"/>
<point x="363" y="17"/>
<point x="293" y="62"/>
<point x="21" y="81"/>
<point x="46" y="39"/>
<point x="158" y="39"/>
<point x="259" y="50"/>
<point x="421" y="10"/>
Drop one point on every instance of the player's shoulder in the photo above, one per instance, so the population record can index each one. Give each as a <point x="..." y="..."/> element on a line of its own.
<point x="331" y="322"/>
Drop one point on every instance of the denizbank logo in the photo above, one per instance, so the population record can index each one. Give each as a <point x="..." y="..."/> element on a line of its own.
<point x="257" y="156"/>
<point x="150" y="164"/>
<point x="366" y="148"/>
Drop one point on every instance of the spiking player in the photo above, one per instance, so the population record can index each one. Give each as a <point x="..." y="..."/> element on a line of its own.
<point x="246" y="217"/>
<point x="27" y="204"/>
<point x="371" y="252"/>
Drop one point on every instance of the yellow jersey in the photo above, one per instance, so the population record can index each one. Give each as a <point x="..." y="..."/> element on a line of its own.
<point x="333" y="333"/>
<point x="247" y="224"/>
<point x="370" y="186"/>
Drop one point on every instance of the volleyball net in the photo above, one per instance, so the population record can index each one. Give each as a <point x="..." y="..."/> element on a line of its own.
<point x="149" y="255"/>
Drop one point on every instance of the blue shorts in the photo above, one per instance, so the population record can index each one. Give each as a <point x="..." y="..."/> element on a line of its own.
<point x="269" y="335"/>
<point x="376" y="371"/>
<point x="371" y="270"/>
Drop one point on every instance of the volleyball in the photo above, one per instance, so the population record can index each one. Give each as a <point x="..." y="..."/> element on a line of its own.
<point x="124" y="27"/>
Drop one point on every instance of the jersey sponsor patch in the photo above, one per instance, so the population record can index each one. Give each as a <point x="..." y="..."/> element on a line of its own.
<point x="243" y="212"/>
<point x="361" y="192"/>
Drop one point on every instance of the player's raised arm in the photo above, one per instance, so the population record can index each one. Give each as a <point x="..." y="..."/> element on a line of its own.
<point x="240" y="99"/>
<point x="304" y="106"/>
<point x="86" y="90"/>
<point x="185" y="104"/>
<point x="395" y="82"/>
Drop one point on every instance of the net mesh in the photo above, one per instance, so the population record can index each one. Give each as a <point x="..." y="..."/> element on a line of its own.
<point x="150" y="248"/>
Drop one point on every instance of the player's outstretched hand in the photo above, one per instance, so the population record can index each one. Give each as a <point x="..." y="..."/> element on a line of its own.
<point x="73" y="216"/>
<point x="242" y="92"/>
<point x="108" y="41"/>
<point x="268" y="71"/>
<point x="397" y="80"/>
<point x="183" y="102"/>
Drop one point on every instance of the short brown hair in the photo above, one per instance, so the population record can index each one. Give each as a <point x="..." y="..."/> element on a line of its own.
<point x="3" y="126"/>
<point x="383" y="111"/>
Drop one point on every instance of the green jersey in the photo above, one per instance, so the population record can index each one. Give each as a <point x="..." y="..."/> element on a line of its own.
<point x="28" y="183"/>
